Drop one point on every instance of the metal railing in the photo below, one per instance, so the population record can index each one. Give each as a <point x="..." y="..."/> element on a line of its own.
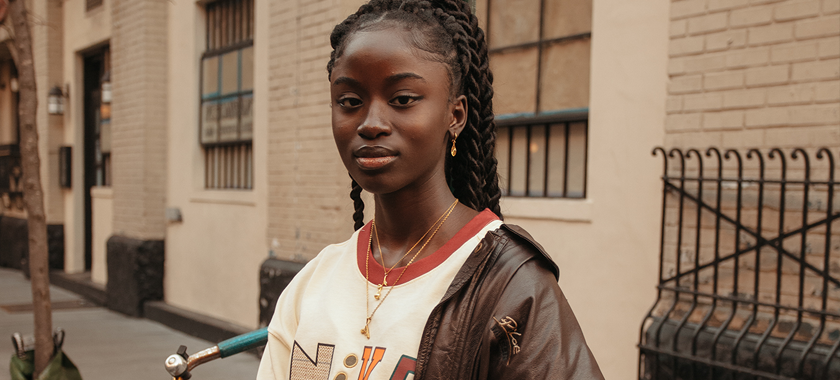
<point x="749" y="267"/>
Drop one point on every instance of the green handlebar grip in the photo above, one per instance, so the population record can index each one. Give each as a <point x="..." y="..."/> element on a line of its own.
<point x="243" y="342"/>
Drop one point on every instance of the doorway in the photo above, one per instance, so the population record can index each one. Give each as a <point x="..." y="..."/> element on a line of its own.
<point x="96" y="137"/>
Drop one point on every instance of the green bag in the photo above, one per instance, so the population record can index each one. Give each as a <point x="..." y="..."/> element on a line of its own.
<point x="22" y="365"/>
<point x="59" y="368"/>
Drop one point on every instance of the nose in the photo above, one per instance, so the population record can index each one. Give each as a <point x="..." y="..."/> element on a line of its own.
<point x="375" y="123"/>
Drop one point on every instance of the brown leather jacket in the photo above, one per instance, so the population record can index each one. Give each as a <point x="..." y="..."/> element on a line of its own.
<point x="505" y="317"/>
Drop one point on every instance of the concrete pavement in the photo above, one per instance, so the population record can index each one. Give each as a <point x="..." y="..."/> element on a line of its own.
<point x="104" y="344"/>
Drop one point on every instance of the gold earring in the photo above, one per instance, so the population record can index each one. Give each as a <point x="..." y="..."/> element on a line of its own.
<point x="454" y="150"/>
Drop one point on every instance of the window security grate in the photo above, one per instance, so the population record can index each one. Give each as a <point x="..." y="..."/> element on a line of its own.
<point x="227" y="71"/>
<point x="229" y="167"/>
<point x="542" y="157"/>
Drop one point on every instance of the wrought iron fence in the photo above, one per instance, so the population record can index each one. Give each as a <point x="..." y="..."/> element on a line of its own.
<point x="749" y="267"/>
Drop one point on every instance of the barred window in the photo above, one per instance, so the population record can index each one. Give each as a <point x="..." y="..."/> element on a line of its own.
<point x="543" y="157"/>
<point x="540" y="54"/>
<point x="227" y="95"/>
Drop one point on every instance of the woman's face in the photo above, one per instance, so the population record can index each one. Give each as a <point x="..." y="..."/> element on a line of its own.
<point x="392" y="113"/>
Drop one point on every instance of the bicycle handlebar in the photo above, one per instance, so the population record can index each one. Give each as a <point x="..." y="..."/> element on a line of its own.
<point x="243" y="342"/>
<point x="179" y="365"/>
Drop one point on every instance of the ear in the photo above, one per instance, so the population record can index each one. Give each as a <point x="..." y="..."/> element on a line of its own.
<point x="458" y="113"/>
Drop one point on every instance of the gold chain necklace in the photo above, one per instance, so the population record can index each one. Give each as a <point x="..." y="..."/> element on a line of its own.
<point x="382" y="259"/>
<point x="366" y="330"/>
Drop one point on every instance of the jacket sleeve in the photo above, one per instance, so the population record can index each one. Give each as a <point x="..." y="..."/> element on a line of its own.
<point x="533" y="333"/>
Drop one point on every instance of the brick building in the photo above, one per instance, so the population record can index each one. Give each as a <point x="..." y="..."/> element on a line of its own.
<point x="214" y="149"/>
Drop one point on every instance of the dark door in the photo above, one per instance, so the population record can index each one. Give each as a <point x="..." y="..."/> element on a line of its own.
<point x="94" y="69"/>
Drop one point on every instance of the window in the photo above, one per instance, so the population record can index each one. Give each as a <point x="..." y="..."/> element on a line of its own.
<point x="227" y="95"/>
<point x="543" y="157"/>
<point x="539" y="54"/>
<point x="90" y="4"/>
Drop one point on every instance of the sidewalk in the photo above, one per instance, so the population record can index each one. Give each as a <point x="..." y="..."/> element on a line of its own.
<point x="107" y="345"/>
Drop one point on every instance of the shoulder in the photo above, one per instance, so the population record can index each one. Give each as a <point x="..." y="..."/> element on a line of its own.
<point x="312" y="277"/>
<point x="532" y="332"/>
<point x="522" y="269"/>
<point x="517" y="247"/>
<point x="518" y="270"/>
<point x="333" y="255"/>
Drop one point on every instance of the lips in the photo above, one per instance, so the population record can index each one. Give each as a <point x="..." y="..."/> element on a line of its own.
<point x="374" y="157"/>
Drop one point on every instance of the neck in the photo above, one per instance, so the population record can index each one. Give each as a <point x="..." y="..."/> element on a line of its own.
<point x="402" y="218"/>
<point x="409" y="214"/>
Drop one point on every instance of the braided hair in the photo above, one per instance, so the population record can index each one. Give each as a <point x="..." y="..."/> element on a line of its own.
<point x="448" y="32"/>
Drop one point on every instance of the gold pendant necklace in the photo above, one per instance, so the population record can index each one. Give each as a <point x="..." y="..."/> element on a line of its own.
<point x="379" y="290"/>
<point x="382" y="259"/>
<point x="442" y="219"/>
<point x="366" y="330"/>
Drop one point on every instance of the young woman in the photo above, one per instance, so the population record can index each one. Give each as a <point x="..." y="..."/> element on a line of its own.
<point x="435" y="286"/>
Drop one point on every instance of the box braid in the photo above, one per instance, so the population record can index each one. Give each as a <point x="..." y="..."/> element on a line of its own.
<point x="358" y="204"/>
<point x="451" y="36"/>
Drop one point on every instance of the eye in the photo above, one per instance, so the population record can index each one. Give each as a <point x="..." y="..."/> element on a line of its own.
<point x="404" y="100"/>
<point x="349" y="102"/>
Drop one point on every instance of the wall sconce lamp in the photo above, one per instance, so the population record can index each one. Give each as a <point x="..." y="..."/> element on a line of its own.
<point x="55" y="102"/>
<point x="106" y="87"/>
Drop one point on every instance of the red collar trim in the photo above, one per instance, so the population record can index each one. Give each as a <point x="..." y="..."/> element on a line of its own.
<point x="424" y="265"/>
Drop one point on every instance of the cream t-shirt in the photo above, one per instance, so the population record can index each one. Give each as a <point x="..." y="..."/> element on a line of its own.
<point x="315" y="333"/>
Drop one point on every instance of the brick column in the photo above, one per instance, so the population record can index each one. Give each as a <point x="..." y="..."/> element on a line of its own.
<point x="138" y="120"/>
<point x="308" y="186"/>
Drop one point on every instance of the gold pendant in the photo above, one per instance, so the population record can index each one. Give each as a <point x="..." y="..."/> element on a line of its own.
<point x="379" y="290"/>
<point x="366" y="330"/>
<point x="378" y="293"/>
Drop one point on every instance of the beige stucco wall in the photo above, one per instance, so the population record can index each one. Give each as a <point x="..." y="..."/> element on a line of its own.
<point x="627" y="103"/>
<point x="82" y="31"/>
<point x="102" y="209"/>
<point x="607" y="245"/>
<point x="213" y="256"/>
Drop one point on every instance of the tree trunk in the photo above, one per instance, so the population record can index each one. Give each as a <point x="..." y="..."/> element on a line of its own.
<point x="32" y="193"/>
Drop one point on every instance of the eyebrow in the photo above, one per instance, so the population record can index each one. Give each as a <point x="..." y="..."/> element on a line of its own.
<point x="398" y="77"/>
<point x="391" y="79"/>
<point x="346" y="80"/>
